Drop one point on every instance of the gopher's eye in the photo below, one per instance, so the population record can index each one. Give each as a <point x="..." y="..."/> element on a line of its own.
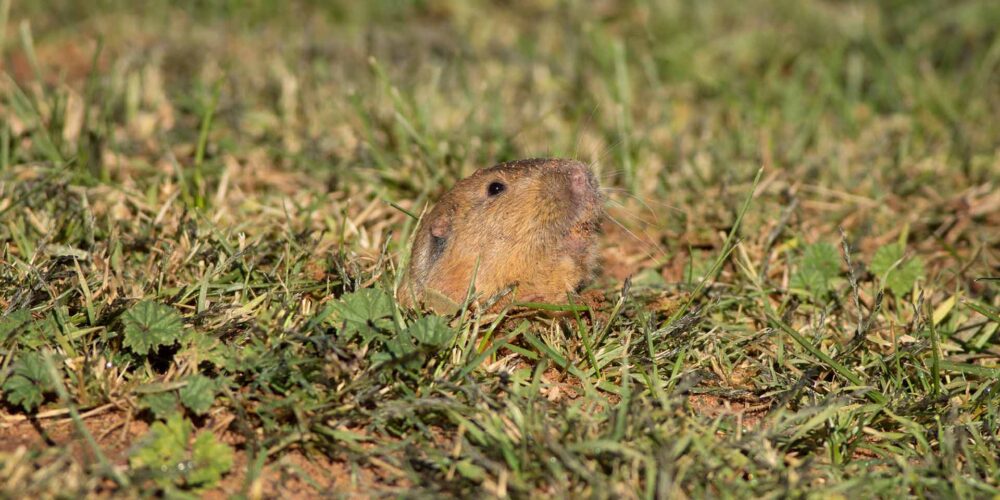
<point x="495" y="188"/>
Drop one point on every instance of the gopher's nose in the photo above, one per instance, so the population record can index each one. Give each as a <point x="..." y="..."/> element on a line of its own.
<point x="581" y="179"/>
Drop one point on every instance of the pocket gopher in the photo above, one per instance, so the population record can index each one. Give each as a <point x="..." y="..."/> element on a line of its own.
<point x="529" y="225"/>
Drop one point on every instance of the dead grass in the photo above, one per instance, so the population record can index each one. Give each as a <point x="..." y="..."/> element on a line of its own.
<point x="239" y="166"/>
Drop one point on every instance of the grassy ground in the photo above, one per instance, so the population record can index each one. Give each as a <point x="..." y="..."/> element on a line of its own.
<point x="198" y="248"/>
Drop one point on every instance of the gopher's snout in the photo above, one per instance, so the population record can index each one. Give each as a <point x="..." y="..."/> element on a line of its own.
<point x="581" y="180"/>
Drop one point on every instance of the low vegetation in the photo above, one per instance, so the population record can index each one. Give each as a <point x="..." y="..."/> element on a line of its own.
<point x="204" y="211"/>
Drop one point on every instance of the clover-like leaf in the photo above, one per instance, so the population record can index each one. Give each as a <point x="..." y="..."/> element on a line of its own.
<point x="897" y="274"/>
<point x="431" y="331"/>
<point x="162" y="404"/>
<point x="199" y="394"/>
<point x="818" y="266"/>
<point x="365" y="312"/>
<point x="165" y="453"/>
<point x="149" y="325"/>
<point x="14" y="322"/>
<point x="402" y="345"/>
<point x="163" y="449"/>
<point x="426" y="333"/>
<point x="29" y="382"/>
<point x="211" y="458"/>
<point x="31" y="333"/>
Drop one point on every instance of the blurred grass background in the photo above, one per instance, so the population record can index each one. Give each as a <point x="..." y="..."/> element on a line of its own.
<point x="237" y="161"/>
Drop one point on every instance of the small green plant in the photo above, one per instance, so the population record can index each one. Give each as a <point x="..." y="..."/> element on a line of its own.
<point x="205" y="242"/>
<point x="431" y="331"/>
<point x="818" y="266"/>
<point x="428" y="332"/>
<point x="29" y="383"/>
<point x="28" y="331"/>
<point x="175" y="462"/>
<point x="14" y="323"/>
<point x="149" y="325"/>
<point x="161" y="404"/>
<point x="199" y="394"/>
<point x="365" y="312"/>
<point x="896" y="272"/>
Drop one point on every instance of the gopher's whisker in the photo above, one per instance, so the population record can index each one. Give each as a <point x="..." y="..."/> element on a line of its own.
<point x="605" y="152"/>
<point x="633" y="216"/>
<point x="612" y="174"/>
<point x="645" y="201"/>
<point x="593" y="112"/>
<point x="645" y="244"/>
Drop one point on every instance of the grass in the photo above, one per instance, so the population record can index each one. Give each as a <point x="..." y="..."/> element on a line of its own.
<point x="204" y="207"/>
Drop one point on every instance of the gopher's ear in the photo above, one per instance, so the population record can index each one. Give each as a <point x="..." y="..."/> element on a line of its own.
<point x="441" y="227"/>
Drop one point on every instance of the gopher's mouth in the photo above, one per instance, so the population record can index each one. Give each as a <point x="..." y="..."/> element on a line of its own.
<point x="582" y="235"/>
<point x="589" y="226"/>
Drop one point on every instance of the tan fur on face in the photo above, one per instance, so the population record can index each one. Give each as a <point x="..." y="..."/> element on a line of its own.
<point x="538" y="235"/>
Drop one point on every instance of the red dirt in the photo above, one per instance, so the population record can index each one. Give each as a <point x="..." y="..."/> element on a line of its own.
<point x="115" y="434"/>
<point x="708" y="405"/>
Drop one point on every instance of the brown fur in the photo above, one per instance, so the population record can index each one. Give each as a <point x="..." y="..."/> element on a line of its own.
<point x="539" y="236"/>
